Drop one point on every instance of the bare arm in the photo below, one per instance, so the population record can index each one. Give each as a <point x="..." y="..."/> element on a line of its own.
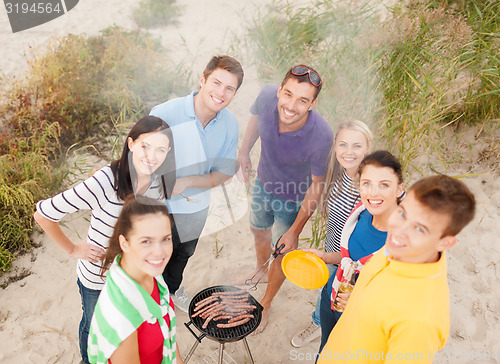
<point x="208" y="180"/>
<point x="178" y="355"/>
<point x="127" y="352"/>
<point x="82" y="250"/>
<point x="327" y="257"/>
<point x="311" y="200"/>
<point x="214" y="178"/>
<point x="217" y="178"/>
<point x="251" y="136"/>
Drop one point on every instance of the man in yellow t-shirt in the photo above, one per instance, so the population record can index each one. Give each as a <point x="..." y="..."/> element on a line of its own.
<point x="399" y="309"/>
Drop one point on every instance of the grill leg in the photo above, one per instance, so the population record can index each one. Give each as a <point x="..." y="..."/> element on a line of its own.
<point x="248" y="349"/>
<point x="221" y="352"/>
<point x="193" y="348"/>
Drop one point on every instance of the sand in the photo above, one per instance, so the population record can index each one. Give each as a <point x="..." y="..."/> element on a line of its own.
<point x="39" y="314"/>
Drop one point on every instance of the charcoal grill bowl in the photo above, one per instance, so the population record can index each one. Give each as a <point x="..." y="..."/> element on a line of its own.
<point x="222" y="335"/>
<point x="228" y="334"/>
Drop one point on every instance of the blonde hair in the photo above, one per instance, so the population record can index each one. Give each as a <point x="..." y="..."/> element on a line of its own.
<point x="335" y="170"/>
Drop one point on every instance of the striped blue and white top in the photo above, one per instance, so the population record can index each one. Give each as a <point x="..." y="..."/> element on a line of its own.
<point x="98" y="195"/>
<point x="339" y="209"/>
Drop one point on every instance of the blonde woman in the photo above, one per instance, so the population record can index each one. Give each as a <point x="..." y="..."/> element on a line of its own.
<point x="352" y="141"/>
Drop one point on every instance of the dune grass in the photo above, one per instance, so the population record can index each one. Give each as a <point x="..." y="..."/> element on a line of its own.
<point x="76" y="92"/>
<point x="156" y="13"/>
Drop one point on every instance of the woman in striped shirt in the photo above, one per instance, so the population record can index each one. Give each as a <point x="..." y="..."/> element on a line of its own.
<point x="146" y="166"/>
<point x="134" y="319"/>
<point x="351" y="143"/>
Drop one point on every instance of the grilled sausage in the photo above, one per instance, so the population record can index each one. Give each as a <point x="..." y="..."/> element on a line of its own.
<point x="237" y="318"/>
<point x="234" y="308"/>
<point x="233" y="324"/>
<point x="213" y="308"/>
<point x="204" y="302"/>
<point x="222" y="317"/>
<point x="209" y="318"/>
<point x="233" y="299"/>
<point x="205" y="309"/>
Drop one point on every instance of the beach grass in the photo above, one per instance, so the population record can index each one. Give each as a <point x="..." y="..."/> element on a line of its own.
<point x="79" y="93"/>
<point x="156" y="13"/>
<point x="25" y="176"/>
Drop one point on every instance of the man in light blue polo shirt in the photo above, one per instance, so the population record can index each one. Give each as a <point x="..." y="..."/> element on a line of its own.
<point x="205" y="137"/>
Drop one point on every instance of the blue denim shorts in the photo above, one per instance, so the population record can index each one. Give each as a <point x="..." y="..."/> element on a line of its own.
<point x="269" y="212"/>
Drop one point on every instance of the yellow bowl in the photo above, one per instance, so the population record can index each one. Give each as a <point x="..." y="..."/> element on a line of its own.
<point x="305" y="269"/>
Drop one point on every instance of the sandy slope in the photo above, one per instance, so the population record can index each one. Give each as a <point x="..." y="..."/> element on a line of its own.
<point x="39" y="315"/>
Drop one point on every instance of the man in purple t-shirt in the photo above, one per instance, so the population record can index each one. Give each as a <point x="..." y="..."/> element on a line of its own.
<point x="295" y="144"/>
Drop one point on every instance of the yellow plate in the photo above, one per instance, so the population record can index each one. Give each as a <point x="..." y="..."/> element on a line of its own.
<point x="305" y="269"/>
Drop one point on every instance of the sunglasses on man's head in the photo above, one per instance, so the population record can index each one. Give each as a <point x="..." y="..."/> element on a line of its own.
<point x="313" y="76"/>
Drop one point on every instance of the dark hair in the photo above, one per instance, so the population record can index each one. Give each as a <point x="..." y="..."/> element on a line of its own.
<point x="121" y="167"/>
<point x="132" y="207"/>
<point x="446" y="195"/>
<point x="226" y="63"/>
<point x="303" y="78"/>
<point x="383" y="158"/>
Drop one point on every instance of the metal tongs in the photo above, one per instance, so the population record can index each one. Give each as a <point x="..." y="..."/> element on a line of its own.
<point x="277" y="251"/>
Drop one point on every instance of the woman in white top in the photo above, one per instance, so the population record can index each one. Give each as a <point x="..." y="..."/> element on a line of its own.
<point x="146" y="167"/>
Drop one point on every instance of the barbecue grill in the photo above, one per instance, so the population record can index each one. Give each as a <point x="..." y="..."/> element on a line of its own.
<point x="222" y="335"/>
